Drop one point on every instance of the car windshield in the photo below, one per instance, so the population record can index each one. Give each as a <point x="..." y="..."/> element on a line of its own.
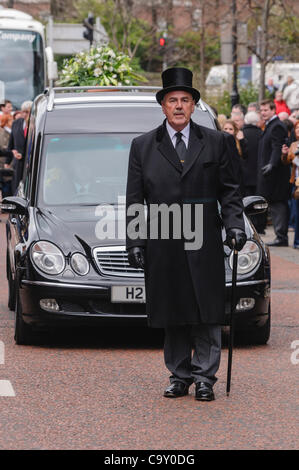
<point x="87" y="169"/>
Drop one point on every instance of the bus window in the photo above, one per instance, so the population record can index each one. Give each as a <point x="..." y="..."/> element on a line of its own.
<point x="22" y="65"/>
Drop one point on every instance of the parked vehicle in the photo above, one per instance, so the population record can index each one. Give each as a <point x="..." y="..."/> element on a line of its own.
<point x="60" y="270"/>
<point x="27" y="65"/>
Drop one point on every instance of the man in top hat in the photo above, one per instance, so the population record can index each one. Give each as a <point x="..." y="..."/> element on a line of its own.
<point x="182" y="164"/>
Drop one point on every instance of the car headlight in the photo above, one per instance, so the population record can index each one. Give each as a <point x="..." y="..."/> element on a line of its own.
<point x="79" y="264"/>
<point x="248" y="258"/>
<point x="48" y="257"/>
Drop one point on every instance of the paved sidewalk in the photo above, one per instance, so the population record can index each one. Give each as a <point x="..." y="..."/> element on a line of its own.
<point x="287" y="253"/>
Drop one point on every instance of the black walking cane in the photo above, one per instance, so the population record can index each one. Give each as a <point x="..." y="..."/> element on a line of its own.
<point x="231" y="322"/>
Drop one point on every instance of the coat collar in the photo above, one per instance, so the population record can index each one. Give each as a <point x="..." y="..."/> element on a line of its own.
<point x="195" y="146"/>
<point x="270" y="123"/>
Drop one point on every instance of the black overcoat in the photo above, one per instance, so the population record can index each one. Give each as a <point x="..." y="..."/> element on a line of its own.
<point x="185" y="286"/>
<point x="17" y="141"/>
<point x="249" y="165"/>
<point x="275" y="186"/>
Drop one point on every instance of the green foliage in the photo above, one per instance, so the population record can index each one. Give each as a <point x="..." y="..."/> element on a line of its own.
<point x="222" y="104"/>
<point x="99" y="66"/>
<point x="248" y="94"/>
<point x="125" y="32"/>
<point x="189" y="49"/>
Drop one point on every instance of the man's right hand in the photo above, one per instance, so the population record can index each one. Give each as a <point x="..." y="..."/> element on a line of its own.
<point x="136" y="257"/>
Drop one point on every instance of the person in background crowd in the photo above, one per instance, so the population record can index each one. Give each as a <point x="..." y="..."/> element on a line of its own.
<point x="288" y="82"/>
<point x="294" y="116"/>
<point x="283" y="116"/>
<point x="273" y="176"/>
<point x="252" y="134"/>
<point x="271" y="87"/>
<point x="239" y="108"/>
<point x="241" y="143"/>
<point x="254" y="106"/>
<point x="5" y="129"/>
<point x="280" y="104"/>
<point x="238" y="119"/>
<point x="290" y="154"/>
<point x="241" y="147"/>
<point x="6" y="108"/>
<point x="291" y="94"/>
<point x="17" y="114"/>
<point x="17" y="141"/>
<point x="291" y="138"/>
<point x="221" y="119"/>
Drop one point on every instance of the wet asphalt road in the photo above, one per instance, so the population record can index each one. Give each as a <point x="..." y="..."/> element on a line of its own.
<point x="102" y="389"/>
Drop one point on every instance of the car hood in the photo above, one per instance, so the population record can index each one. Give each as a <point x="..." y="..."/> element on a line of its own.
<point x="84" y="227"/>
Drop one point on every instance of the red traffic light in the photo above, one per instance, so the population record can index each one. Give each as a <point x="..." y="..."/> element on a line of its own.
<point x="162" y="41"/>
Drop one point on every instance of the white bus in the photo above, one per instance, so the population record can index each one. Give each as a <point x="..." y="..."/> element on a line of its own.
<point x="27" y="65"/>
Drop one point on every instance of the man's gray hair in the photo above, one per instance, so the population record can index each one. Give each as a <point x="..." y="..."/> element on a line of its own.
<point x="26" y="105"/>
<point x="252" y="118"/>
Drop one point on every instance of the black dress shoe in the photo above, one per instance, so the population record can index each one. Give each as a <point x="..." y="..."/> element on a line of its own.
<point x="204" y="391"/>
<point x="278" y="242"/>
<point x="176" y="389"/>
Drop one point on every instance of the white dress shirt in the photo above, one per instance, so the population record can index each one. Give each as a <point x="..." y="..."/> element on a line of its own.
<point x="185" y="133"/>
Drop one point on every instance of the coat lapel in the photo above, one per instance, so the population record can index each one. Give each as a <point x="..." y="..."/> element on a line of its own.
<point x="167" y="149"/>
<point x="195" y="146"/>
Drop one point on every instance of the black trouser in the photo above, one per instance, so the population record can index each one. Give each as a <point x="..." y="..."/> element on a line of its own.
<point x="280" y="218"/>
<point x="203" y="365"/>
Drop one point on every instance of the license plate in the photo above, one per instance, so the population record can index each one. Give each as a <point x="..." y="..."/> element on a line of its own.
<point x="128" y="294"/>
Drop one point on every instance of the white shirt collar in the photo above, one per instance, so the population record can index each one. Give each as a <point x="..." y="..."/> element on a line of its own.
<point x="185" y="133"/>
<point x="271" y="119"/>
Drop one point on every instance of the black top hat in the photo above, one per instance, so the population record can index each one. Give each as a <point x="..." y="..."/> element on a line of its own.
<point x="177" y="78"/>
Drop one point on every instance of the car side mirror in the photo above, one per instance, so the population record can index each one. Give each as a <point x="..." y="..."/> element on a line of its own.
<point x="254" y="205"/>
<point x="14" y="205"/>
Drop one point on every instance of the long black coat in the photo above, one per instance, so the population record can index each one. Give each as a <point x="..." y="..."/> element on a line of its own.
<point x="274" y="187"/>
<point x="184" y="286"/>
<point x="249" y="165"/>
<point x="17" y="142"/>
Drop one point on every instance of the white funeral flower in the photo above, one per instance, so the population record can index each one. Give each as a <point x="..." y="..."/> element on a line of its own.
<point x="97" y="72"/>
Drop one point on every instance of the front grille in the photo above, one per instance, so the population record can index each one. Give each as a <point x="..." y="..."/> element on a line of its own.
<point x="113" y="261"/>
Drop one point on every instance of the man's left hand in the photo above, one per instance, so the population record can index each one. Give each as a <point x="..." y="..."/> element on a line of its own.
<point x="266" y="170"/>
<point x="238" y="235"/>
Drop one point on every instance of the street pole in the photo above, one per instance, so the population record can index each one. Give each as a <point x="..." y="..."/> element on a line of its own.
<point x="234" y="93"/>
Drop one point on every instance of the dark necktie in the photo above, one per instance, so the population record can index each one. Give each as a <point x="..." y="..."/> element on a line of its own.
<point x="180" y="147"/>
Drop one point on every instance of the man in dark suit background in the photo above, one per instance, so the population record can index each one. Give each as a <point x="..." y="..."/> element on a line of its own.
<point x="273" y="176"/>
<point x="183" y="164"/>
<point x="17" y="142"/>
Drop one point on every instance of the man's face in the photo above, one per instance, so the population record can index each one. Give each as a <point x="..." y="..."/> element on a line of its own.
<point x="278" y="96"/>
<point x="238" y="120"/>
<point x="178" y="107"/>
<point x="266" y="112"/>
<point x="25" y="114"/>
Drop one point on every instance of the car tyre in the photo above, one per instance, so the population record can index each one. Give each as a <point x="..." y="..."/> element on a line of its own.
<point x="258" y="335"/>
<point x="261" y="335"/>
<point x="23" y="332"/>
<point x="11" y="286"/>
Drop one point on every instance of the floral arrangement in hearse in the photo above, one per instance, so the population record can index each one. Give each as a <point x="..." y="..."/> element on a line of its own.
<point x="99" y="66"/>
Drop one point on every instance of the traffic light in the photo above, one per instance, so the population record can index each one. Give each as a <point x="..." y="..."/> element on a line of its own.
<point x="162" y="41"/>
<point x="88" y="32"/>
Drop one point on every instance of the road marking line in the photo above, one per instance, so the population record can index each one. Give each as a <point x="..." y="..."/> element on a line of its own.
<point x="6" y="389"/>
